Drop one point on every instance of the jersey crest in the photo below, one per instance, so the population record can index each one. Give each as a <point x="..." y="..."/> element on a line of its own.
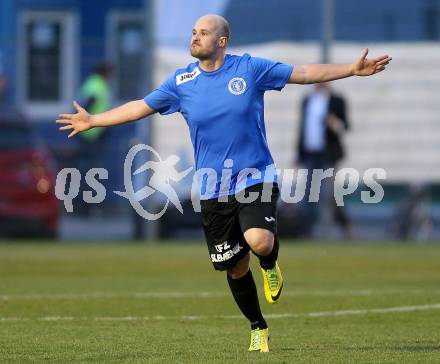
<point x="237" y="86"/>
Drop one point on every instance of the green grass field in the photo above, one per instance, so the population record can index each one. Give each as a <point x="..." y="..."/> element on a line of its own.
<point x="163" y="303"/>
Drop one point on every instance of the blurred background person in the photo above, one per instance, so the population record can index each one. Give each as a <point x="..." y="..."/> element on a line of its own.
<point x="95" y="96"/>
<point x="413" y="219"/>
<point x="319" y="146"/>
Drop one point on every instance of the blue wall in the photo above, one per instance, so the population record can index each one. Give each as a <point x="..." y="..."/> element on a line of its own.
<point x="254" y="21"/>
<point x="92" y="16"/>
<point x="92" y="39"/>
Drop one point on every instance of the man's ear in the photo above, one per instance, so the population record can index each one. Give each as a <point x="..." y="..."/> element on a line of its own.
<point x="223" y="42"/>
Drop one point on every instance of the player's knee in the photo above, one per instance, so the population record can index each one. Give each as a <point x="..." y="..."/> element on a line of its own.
<point x="260" y="242"/>
<point x="240" y="269"/>
<point x="264" y="246"/>
<point x="237" y="273"/>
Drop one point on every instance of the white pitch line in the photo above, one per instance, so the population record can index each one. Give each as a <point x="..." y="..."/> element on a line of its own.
<point x="434" y="306"/>
<point x="157" y="295"/>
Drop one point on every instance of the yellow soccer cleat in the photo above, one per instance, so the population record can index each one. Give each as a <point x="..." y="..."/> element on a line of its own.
<point x="273" y="283"/>
<point x="259" y="340"/>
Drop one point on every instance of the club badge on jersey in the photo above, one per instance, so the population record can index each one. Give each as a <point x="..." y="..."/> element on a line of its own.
<point x="237" y="86"/>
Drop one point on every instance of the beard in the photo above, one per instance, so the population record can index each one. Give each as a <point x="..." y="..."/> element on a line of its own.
<point x="201" y="54"/>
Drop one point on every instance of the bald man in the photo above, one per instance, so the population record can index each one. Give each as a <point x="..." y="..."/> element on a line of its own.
<point x="221" y="98"/>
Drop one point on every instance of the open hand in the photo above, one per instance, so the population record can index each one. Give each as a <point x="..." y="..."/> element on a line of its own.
<point x="368" y="67"/>
<point x="78" y="122"/>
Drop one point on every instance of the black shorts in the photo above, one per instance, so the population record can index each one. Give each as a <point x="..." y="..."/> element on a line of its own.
<point x="224" y="223"/>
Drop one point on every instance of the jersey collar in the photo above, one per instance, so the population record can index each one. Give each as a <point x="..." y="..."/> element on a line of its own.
<point x="225" y="65"/>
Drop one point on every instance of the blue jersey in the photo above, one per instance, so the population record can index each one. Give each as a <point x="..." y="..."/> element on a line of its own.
<point x="224" y="110"/>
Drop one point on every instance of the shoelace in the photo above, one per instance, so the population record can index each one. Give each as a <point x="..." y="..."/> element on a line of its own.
<point x="256" y="340"/>
<point x="273" y="279"/>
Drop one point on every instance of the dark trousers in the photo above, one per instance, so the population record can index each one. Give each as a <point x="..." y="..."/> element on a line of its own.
<point x="313" y="161"/>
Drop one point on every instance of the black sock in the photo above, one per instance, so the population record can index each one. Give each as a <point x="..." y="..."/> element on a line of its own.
<point x="245" y="295"/>
<point x="268" y="261"/>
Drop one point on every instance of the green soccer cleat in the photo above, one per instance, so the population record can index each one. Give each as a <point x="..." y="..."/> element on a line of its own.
<point x="259" y="340"/>
<point x="273" y="283"/>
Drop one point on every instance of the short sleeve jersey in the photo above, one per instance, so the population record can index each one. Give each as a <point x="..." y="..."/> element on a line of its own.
<point x="224" y="110"/>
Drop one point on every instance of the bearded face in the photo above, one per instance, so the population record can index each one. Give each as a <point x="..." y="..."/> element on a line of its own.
<point x="203" y="44"/>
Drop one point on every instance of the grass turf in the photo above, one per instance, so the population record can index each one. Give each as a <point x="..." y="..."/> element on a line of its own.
<point x="163" y="303"/>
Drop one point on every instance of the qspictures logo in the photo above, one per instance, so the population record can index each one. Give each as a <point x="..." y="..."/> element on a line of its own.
<point x="164" y="175"/>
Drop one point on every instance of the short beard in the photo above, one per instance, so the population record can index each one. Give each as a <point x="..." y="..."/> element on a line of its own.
<point x="201" y="56"/>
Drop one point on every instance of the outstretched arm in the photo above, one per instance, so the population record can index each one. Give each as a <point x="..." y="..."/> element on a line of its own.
<point x="315" y="73"/>
<point x="82" y="120"/>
